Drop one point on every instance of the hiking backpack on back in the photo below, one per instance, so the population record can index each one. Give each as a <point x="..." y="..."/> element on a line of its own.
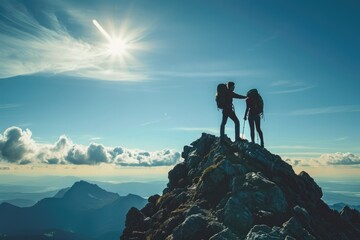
<point x="258" y="101"/>
<point x="221" y="95"/>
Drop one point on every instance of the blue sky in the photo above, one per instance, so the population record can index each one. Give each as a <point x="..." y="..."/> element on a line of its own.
<point x="59" y="76"/>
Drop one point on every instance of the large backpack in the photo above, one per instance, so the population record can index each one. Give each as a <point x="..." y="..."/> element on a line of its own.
<point x="220" y="97"/>
<point x="254" y="95"/>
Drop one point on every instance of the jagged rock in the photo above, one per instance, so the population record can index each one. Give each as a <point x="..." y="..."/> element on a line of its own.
<point x="153" y="199"/>
<point x="238" y="191"/>
<point x="135" y="220"/>
<point x="186" y="152"/>
<point x="225" y="234"/>
<point x="350" y="215"/>
<point x="149" y="209"/>
<point x="193" y="210"/>
<point x="292" y="229"/>
<point x="212" y="179"/>
<point x="302" y="215"/>
<point x="135" y="225"/>
<point x="172" y="223"/>
<point x="237" y="216"/>
<point x="313" y="191"/>
<point x="258" y="192"/>
<point x="192" y="228"/>
<point x="177" y="176"/>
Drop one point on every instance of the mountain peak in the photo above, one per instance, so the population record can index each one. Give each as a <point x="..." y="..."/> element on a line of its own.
<point x="236" y="191"/>
<point x="89" y="195"/>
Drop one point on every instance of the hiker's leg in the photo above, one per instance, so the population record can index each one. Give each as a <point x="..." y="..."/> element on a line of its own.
<point x="223" y="123"/>
<point x="251" y="124"/>
<point x="233" y="117"/>
<point x="258" y="129"/>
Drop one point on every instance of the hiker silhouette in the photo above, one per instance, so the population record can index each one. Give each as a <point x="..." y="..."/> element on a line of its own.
<point x="224" y="99"/>
<point x="254" y="106"/>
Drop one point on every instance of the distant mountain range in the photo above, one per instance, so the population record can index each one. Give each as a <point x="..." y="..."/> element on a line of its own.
<point x="27" y="196"/>
<point x="85" y="210"/>
<point x="24" y="199"/>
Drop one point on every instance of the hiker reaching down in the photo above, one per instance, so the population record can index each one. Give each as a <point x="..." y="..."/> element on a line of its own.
<point x="224" y="99"/>
<point x="255" y="108"/>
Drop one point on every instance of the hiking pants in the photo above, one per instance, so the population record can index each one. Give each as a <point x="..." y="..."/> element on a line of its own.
<point x="255" y="119"/>
<point x="231" y="114"/>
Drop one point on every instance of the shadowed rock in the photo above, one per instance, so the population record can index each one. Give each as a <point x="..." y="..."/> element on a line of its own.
<point x="238" y="191"/>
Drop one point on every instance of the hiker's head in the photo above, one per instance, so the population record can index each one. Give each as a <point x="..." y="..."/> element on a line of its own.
<point x="231" y="86"/>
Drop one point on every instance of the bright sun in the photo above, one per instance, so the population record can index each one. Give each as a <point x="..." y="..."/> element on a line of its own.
<point x="120" y="44"/>
<point x="117" y="47"/>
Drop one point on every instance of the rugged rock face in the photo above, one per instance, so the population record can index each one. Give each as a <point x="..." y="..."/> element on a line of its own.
<point x="238" y="191"/>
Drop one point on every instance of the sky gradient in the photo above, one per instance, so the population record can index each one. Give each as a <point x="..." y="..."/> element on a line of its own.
<point x="61" y="80"/>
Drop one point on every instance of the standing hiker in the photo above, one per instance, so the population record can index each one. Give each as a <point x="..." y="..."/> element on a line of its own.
<point x="224" y="98"/>
<point x="255" y="108"/>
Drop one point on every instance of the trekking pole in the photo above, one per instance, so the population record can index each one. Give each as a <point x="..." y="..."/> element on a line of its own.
<point x="243" y="130"/>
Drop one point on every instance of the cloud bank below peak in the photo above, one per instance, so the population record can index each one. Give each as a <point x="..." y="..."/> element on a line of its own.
<point x="328" y="159"/>
<point x="18" y="147"/>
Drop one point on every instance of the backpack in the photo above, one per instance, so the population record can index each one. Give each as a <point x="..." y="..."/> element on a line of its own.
<point x="220" y="97"/>
<point x="254" y="95"/>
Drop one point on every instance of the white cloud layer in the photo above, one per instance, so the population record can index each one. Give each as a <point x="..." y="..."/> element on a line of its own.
<point x="18" y="147"/>
<point x="328" y="159"/>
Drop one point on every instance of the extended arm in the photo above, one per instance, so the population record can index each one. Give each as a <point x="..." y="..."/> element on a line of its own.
<point x="235" y="95"/>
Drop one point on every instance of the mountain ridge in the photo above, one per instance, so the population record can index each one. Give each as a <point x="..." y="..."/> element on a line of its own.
<point x="84" y="209"/>
<point x="238" y="191"/>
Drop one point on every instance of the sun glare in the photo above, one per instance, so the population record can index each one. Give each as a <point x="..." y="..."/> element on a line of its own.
<point x="117" y="47"/>
<point x="122" y="42"/>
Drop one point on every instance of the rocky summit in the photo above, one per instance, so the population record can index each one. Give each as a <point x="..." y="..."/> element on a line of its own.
<point x="238" y="191"/>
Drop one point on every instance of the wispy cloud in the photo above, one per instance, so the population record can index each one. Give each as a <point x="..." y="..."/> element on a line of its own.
<point x="264" y="41"/>
<point x="292" y="90"/>
<point x="6" y="106"/>
<point x="327" y="110"/>
<point x="164" y="118"/>
<point x="30" y="46"/>
<point x="95" y="138"/>
<point x="285" y="87"/>
<point x="206" y="73"/>
<point x="197" y="129"/>
<point x="291" y="147"/>
<point x="340" y="139"/>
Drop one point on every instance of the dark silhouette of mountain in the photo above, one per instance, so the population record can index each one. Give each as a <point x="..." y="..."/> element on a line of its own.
<point x="27" y="199"/>
<point x="88" y="196"/>
<point x="20" y="202"/>
<point x="144" y="189"/>
<point x="238" y="191"/>
<point x="339" y="206"/>
<point x="84" y="209"/>
<point x="61" y="193"/>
